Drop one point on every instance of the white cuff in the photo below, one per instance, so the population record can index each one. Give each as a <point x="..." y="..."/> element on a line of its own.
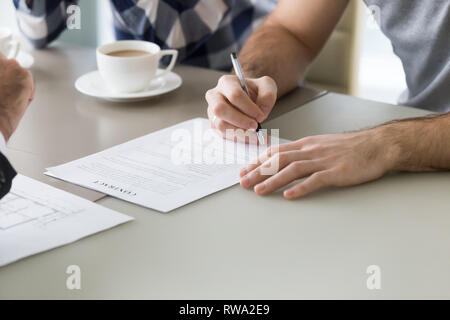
<point x="2" y="144"/>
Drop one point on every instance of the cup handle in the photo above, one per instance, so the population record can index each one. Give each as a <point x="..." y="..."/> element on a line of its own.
<point x="14" y="47"/>
<point x="174" y="54"/>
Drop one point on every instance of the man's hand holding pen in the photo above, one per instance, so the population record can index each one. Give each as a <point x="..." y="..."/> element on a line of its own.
<point x="240" y="103"/>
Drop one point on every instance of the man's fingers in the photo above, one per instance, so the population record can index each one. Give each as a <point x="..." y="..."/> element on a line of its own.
<point x="233" y="116"/>
<point x="232" y="90"/>
<point x="218" y="106"/>
<point x="271" y="151"/>
<point x="313" y="183"/>
<point x="231" y="132"/>
<point x="294" y="171"/>
<point x="266" y="95"/>
<point x="231" y="104"/>
<point x="271" y="167"/>
<point x="294" y="145"/>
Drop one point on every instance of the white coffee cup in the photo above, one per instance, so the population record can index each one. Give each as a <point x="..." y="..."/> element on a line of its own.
<point x="134" y="73"/>
<point x="8" y="46"/>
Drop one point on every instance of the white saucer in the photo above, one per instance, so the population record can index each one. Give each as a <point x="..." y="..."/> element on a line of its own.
<point x="92" y="84"/>
<point x="25" y="59"/>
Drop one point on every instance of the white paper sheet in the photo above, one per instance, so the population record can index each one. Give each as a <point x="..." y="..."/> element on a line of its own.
<point x="35" y="217"/>
<point x="165" y="169"/>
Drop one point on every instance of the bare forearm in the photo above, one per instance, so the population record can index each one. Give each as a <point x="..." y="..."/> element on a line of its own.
<point x="291" y="37"/>
<point x="420" y="144"/>
<point x="273" y="51"/>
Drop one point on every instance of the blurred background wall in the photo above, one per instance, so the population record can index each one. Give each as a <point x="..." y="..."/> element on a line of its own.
<point x="358" y="59"/>
<point x="380" y="73"/>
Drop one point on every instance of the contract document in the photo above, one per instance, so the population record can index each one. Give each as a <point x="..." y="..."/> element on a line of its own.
<point x="36" y="217"/>
<point x="165" y="169"/>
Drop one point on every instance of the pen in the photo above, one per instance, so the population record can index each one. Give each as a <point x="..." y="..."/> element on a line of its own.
<point x="240" y="75"/>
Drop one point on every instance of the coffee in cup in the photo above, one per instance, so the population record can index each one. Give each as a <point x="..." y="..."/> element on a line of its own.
<point x="129" y="66"/>
<point x="128" y="53"/>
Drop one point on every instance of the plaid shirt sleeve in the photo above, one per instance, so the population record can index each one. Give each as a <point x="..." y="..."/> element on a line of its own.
<point x="204" y="32"/>
<point x="41" y="21"/>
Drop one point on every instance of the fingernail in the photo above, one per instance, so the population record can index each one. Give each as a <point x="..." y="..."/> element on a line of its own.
<point x="260" y="188"/>
<point x="288" y="193"/>
<point x="243" y="172"/>
<point x="260" y="118"/>
<point x="244" y="182"/>
<point x="253" y="125"/>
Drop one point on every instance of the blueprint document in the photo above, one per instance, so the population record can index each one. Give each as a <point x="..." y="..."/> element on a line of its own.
<point x="165" y="169"/>
<point x="36" y="217"/>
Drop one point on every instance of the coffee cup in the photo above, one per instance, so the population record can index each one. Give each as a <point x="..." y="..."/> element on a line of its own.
<point x="129" y="66"/>
<point x="8" y="46"/>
